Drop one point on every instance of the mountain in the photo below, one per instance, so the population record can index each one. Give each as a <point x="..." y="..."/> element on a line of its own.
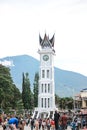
<point x="67" y="83"/>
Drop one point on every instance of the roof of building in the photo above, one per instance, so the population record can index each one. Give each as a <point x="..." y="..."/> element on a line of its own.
<point x="46" y="42"/>
<point x="85" y="89"/>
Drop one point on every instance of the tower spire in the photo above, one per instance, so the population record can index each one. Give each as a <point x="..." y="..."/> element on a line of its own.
<point x="46" y="42"/>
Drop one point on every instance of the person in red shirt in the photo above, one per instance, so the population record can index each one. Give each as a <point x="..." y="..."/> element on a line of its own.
<point x="0" y="120"/>
<point x="64" y="121"/>
<point x="52" y="123"/>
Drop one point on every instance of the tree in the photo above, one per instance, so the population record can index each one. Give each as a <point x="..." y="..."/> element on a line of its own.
<point x="23" y="89"/>
<point x="9" y="93"/>
<point x="64" y="102"/>
<point x="26" y="91"/>
<point x="35" y="89"/>
<point x="69" y="102"/>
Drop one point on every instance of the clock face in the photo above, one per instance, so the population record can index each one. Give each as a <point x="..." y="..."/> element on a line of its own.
<point x="45" y="57"/>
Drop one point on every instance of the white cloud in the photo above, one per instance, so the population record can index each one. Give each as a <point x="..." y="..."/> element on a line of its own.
<point x="7" y="63"/>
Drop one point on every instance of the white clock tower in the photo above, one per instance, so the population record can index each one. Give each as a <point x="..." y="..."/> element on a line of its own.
<point x="46" y="95"/>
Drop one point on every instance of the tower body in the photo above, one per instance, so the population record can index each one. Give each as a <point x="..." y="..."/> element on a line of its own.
<point x="46" y="94"/>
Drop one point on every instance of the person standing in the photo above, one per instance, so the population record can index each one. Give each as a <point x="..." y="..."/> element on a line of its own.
<point x="64" y="121"/>
<point x="36" y="124"/>
<point x="32" y="123"/>
<point x="48" y="124"/>
<point x="52" y="124"/>
<point x="56" y="119"/>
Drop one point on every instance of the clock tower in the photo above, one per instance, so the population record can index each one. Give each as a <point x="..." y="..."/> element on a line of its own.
<point x="46" y="94"/>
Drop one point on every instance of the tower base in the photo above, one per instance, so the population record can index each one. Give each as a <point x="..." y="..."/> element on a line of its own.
<point x="44" y="112"/>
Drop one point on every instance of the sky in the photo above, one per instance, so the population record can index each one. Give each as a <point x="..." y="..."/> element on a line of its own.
<point x="21" y="22"/>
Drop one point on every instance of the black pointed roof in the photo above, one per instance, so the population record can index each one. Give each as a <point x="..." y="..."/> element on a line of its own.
<point x="46" y="42"/>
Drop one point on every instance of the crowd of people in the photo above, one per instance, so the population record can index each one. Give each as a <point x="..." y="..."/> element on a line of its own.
<point x="11" y="122"/>
<point x="60" y="121"/>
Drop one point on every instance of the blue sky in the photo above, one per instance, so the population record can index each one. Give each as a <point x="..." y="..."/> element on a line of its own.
<point x="21" y="21"/>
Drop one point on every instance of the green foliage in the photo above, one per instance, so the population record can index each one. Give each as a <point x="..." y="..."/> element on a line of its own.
<point x="26" y="91"/>
<point x="9" y="93"/>
<point x="64" y="103"/>
<point x="35" y="89"/>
